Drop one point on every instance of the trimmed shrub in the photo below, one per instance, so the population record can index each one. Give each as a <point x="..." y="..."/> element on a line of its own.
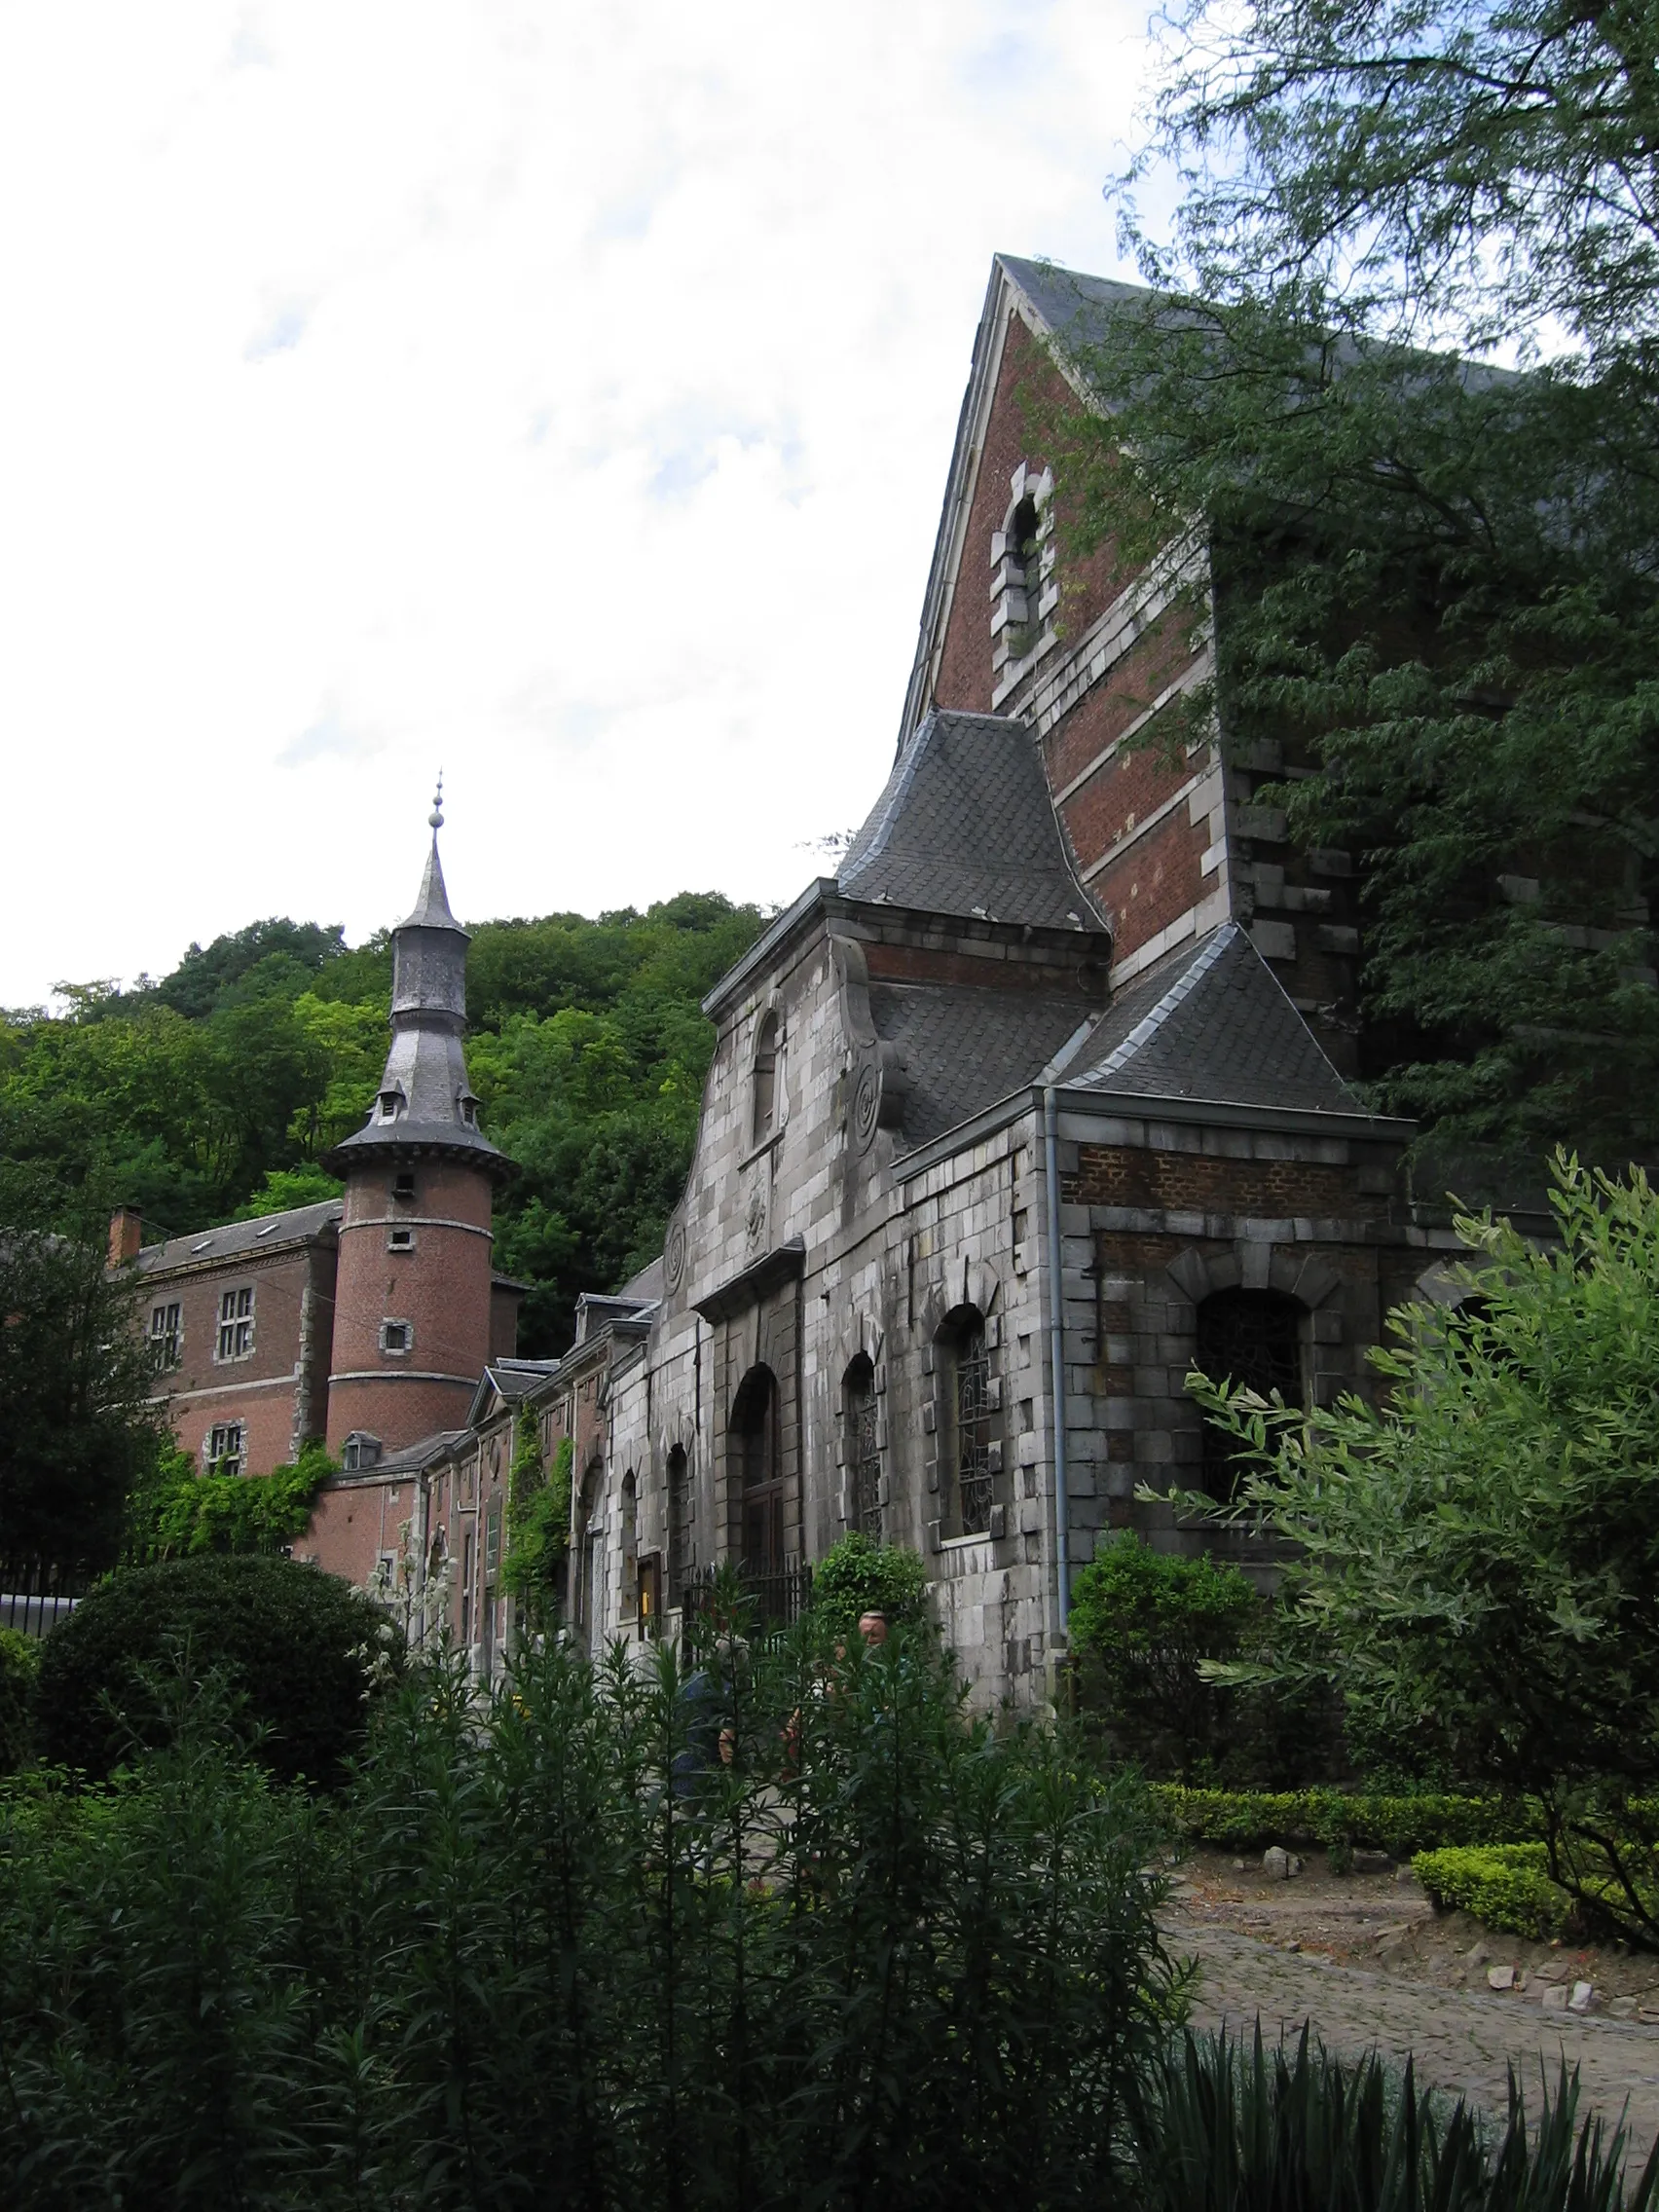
<point x="295" y="1647"/>
<point x="1245" y="1820"/>
<point x="856" y="1577"/>
<point x="1505" y="1886"/>
<point x="20" y="1663"/>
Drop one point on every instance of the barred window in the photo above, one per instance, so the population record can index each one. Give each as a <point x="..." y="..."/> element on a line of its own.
<point x="1251" y="1339"/>
<point x="236" y="1323"/>
<point x="754" y="1432"/>
<point x="679" y="1522"/>
<point x="863" y="1448"/>
<point x="973" y="1419"/>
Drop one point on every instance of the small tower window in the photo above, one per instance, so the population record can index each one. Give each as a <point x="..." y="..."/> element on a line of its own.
<point x="390" y="1103"/>
<point x="400" y="1240"/>
<point x="403" y="1187"/>
<point x="765" y="1078"/>
<point x="397" y="1335"/>
<point x="359" y="1450"/>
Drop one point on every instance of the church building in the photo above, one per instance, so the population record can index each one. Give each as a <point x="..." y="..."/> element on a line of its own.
<point x="1034" y="1104"/>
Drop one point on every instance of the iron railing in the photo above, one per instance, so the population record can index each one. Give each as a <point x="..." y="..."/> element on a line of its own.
<point x="774" y="1596"/>
<point x="35" y="1595"/>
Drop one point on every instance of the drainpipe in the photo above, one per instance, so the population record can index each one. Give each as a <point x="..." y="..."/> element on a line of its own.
<point x="1057" y="1354"/>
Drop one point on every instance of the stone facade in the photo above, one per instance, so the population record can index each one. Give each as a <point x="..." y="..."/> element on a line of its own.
<point x="1033" y="1106"/>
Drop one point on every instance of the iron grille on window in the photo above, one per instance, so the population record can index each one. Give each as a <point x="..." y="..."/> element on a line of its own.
<point x="236" y="1323"/>
<point x="1252" y="1339"/>
<point x="974" y="1432"/>
<point x="679" y="1522"/>
<point x="867" y="1467"/>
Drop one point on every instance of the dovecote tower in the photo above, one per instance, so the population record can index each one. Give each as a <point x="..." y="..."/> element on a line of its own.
<point x="412" y="1296"/>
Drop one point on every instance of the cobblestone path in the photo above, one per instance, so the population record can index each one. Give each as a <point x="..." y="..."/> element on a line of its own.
<point x="1463" y="2042"/>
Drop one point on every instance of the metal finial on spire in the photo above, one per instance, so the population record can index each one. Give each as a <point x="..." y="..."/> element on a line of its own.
<point x="435" y="820"/>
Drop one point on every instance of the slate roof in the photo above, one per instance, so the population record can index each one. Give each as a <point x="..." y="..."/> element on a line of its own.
<point x="1213" y="1023"/>
<point x="235" y="1237"/>
<point x="516" y="1379"/>
<point x="965" y="826"/>
<point x="1070" y="303"/>
<point x="962" y="1049"/>
<point x="432" y="907"/>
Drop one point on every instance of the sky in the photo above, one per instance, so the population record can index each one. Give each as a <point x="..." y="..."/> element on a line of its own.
<point x="562" y="396"/>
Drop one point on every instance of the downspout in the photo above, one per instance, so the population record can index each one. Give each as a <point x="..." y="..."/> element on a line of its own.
<point x="1058" y="1356"/>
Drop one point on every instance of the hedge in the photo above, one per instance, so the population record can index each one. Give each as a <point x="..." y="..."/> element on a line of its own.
<point x="298" y="1647"/>
<point x="1505" y="1886"/>
<point x="20" y="1662"/>
<point x="1244" y="1820"/>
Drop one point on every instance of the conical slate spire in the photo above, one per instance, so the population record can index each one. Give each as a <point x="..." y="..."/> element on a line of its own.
<point x="425" y="1097"/>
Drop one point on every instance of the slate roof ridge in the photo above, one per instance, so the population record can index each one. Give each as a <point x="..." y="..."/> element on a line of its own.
<point x="1147" y="1028"/>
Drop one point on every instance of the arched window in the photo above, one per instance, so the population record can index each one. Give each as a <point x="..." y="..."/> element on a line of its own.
<point x="754" y="1436"/>
<point x="589" y="1561"/>
<point x="973" y="1421"/>
<point x="679" y="1522"/>
<point x="862" y="1449"/>
<point x="765" y="1112"/>
<point x="630" y="1499"/>
<point x="1252" y="1339"/>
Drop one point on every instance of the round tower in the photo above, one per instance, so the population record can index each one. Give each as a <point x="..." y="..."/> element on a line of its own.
<point x="412" y="1292"/>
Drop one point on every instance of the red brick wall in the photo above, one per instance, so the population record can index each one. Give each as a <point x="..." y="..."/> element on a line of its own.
<point x="1120" y="1175"/>
<point x="203" y="1390"/>
<point x="442" y="1289"/>
<point x="965" y="676"/>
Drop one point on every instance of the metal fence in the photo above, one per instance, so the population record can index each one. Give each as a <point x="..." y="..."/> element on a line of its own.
<point x="776" y="1596"/>
<point x="35" y="1595"/>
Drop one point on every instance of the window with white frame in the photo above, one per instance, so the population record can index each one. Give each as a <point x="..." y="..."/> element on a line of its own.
<point x="167" y="1337"/>
<point x="227" y="1450"/>
<point x="397" y="1335"/>
<point x="236" y="1323"/>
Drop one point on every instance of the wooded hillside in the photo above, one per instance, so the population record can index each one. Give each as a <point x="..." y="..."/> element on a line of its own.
<point x="213" y="1091"/>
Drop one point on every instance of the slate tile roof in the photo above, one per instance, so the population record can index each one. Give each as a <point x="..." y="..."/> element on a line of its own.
<point x="1212" y="1023"/>
<point x="963" y="1048"/>
<point x="242" y="1237"/>
<point x="966" y="825"/>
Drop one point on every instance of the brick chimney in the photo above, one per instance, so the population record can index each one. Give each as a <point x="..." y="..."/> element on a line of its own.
<point x="126" y="1236"/>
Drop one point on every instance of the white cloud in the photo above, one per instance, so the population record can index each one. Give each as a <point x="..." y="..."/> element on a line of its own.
<point x="561" y="394"/>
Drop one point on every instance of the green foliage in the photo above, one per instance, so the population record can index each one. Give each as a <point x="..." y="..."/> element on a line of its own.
<point x="544" y="1949"/>
<point x="857" y="1577"/>
<point x="1473" y="1562"/>
<point x="296" y="1648"/>
<point x="1145" y="1626"/>
<point x="183" y="1511"/>
<point x="538" y="1521"/>
<point x="1247" y="1820"/>
<point x="1236" y="2125"/>
<point x="77" y="1431"/>
<point x="20" y="1663"/>
<point x="1505" y="1886"/>
<point x="212" y="1093"/>
<point x="1437" y="588"/>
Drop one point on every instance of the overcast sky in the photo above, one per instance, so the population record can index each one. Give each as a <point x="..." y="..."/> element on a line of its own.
<point x="562" y="394"/>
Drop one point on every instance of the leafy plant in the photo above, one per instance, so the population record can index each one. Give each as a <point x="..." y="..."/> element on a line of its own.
<point x="183" y="1511"/>
<point x="1234" y="2125"/>
<point x="536" y="1952"/>
<point x="1473" y="1556"/>
<point x="857" y="1577"/>
<point x="539" y="1520"/>
<point x="20" y="1663"/>
<point x="293" y="1645"/>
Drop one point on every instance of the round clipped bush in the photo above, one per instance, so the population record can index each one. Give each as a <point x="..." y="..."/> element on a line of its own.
<point x="297" y="1649"/>
<point x="856" y="1577"/>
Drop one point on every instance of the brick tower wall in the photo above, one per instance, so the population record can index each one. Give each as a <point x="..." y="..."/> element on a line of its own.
<point x="440" y="1288"/>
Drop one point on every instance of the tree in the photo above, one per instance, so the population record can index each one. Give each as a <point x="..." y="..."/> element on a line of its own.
<point x="77" y="1428"/>
<point x="1474" y="1559"/>
<point x="1435" y="584"/>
